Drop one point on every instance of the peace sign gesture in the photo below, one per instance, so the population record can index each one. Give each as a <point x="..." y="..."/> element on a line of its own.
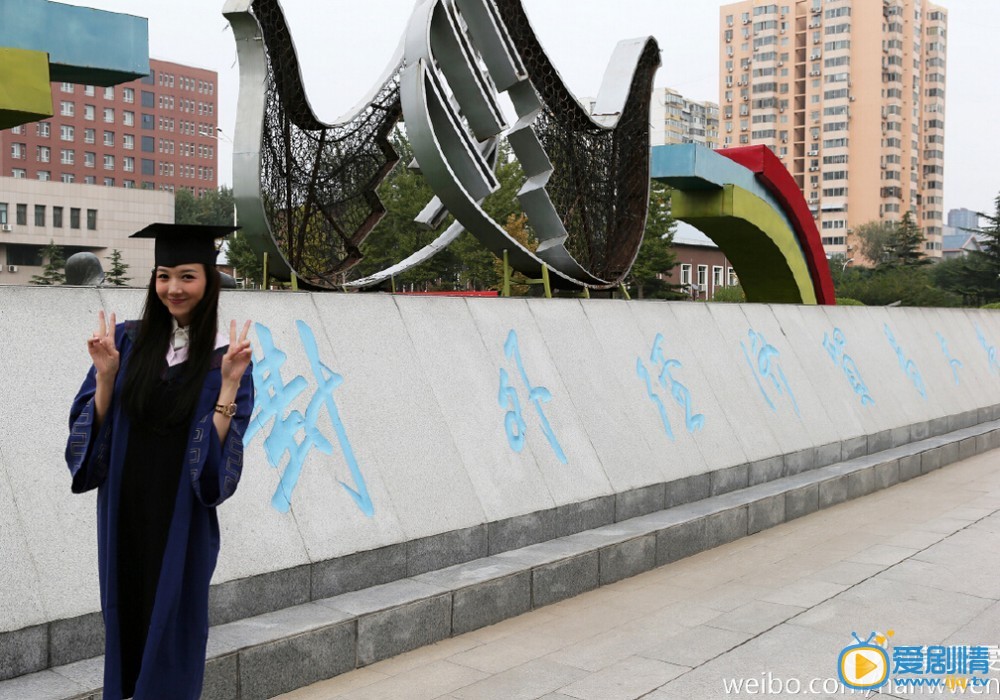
<point x="237" y="357"/>
<point x="101" y="346"/>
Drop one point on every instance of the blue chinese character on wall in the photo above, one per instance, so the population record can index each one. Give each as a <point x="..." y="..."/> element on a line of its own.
<point x="991" y="351"/>
<point x="952" y="362"/>
<point x="274" y="398"/>
<point x="666" y="380"/>
<point x="835" y="349"/>
<point x="763" y="359"/>
<point x="908" y="366"/>
<point x="514" y="423"/>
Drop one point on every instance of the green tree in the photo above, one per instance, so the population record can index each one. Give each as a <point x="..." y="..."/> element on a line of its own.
<point x="907" y="243"/>
<point x="243" y="259"/>
<point x="875" y="240"/>
<point x="116" y="274"/>
<point x="656" y="255"/>
<point x="976" y="276"/>
<point x="54" y="271"/>
<point x="908" y="285"/>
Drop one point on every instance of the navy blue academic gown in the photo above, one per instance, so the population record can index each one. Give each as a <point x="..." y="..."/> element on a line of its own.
<point x="173" y="659"/>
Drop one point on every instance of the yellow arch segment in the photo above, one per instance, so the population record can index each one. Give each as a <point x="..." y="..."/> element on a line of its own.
<point x="25" y="91"/>
<point x="755" y="238"/>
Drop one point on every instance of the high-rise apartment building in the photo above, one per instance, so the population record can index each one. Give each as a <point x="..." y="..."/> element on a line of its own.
<point x="850" y="94"/>
<point x="158" y="132"/>
<point x="676" y="119"/>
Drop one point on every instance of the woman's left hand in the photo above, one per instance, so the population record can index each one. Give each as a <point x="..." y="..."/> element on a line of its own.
<point x="237" y="357"/>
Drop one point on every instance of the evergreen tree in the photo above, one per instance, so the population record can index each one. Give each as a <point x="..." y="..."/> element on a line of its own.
<point x="875" y="240"/>
<point x="656" y="254"/>
<point x="54" y="271"/>
<point x="116" y="274"/>
<point x="243" y="259"/>
<point x="907" y="243"/>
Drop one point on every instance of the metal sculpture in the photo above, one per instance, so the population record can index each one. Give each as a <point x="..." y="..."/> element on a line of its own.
<point x="305" y="190"/>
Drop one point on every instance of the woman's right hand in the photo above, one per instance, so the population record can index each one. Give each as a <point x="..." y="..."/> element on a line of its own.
<point x="101" y="346"/>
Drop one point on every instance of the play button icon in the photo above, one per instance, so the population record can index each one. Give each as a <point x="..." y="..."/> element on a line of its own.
<point x="863" y="666"/>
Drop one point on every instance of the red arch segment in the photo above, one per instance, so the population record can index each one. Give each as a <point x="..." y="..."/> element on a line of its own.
<point x="770" y="172"/>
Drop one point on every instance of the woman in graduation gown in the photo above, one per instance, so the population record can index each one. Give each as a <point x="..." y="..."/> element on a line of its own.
<point x="157" y="428"/>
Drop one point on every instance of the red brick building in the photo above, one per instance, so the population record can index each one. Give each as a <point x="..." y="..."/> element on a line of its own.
<point x="158" y="133"/>
<point x="701" y="266"/>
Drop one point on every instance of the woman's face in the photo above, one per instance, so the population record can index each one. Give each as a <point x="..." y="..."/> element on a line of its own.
<point x="180" y="289"/>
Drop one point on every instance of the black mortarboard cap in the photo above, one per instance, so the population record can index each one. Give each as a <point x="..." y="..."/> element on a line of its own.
<point x="177" y="244"/>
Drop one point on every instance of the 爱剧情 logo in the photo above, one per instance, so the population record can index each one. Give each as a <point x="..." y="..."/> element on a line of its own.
<point x="864" y="665"/>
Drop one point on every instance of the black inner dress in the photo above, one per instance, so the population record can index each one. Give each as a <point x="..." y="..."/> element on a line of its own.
<point x="153" y="465"/>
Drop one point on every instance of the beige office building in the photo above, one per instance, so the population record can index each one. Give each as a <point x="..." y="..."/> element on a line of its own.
<point x="850" y="94"/>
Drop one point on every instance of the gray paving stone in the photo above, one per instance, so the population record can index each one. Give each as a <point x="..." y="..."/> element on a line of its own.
<point x="490" y="602"/>
<point x="578" y="517"/>
<point x="920" y="431"/>
<point x="75" y="639"/>
<point x="765" y="513"/>
<point x="445" y="549"/>
<point x="967" y="448"/>
<point x="729" y="479"/>
<point x="930" y="460"/>
<point x="636" y="502"/>
<point x="24" y="651"/>
<point x="764" y="470"/>
<point x="901" y="436"/>
<point x="727" y="526"/>
<point x="827" y="454"/>
<point x="909" y="467"/>
<point x="627" y="559"/>
<point x="880" y="441"/>
<point x="271" y="669"/>
<point x="957" y="421"/>
<point x="222" y="678"/>
<point x="688" y="490"/>
<point x="522" y="530"/>
<point x="357" y="571"/>
<point x="564" y="579"/>
<point x="860" y="483"/>
<point x="801" y="461"/>
<point x="949" y="453"/>
<point x="384" y="597"/>
<point x="985" y="414"/>
<point x="940" y="426"/>
<point x="833" y="491"/>
<point x="680" y="541"/>
<point x="886" y="474"/>
<point x="801" y="501"/>
<point x="853" y="447"/>
<point x="256" y="595"/>
<point x="391" y="632"/>
<point x="43" y="685"/>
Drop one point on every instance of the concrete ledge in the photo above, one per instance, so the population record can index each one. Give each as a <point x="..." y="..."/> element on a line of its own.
<point x="273" y="653"/>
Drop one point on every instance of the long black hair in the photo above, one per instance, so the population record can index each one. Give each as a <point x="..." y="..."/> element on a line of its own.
<point x="147" y="362"/>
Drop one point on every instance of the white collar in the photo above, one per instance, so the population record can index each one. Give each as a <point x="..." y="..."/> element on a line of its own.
<point x="179" y="337"/>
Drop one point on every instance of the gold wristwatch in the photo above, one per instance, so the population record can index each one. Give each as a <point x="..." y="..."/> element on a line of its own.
<point x="228" y="410"/>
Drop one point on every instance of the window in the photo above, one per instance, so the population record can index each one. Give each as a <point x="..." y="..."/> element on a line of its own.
<point x="89" y="136"/>
<point x="74" y="217"/>
<point x="67" y="156"/>
<point x="18" y="173"/>
<point x="39" y="215"/>
<point x="148" y="166"/>
<point x="67" y="108"/>
<point x="89" y="180"/>
<point x="43" y="129"/>
<point x="128" y="164"/>
<point x="88" y="90"/>
<point x="57" y="216"/>
<point x="147" y="121"/>
<point x="128" y="142"/>
<point x="88" y="112"/>
<point x="109" y="115"/>
<point x="685" y="273"/>
<point x="109" y="182"/>
<point x="717" y="276"/>
<point x="109" y="162"/>
<point x="109" y="138"/>
<point x="3" y="212"/>
<point x="44" y="175"/>
<point x="109" y="93"/>
<point x="18" y="151"/>
<point x="22" y="214"/>
<point x="91" y="219"/>
<point x="128" y="95"/>
<point x="128" y="118"/>
<point x="44" y="154"/>
<point x="148" y="99"/>
<point x="702" y="276"/>
<point x="731" y="276"/>
<point x="66" y="87"/>
<point x="148" y="144"/>
<point x="89" y="159"/>
<point x="67" y="133"/>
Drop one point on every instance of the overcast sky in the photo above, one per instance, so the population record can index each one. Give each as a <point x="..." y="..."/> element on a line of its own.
<point x="344" y="45"/>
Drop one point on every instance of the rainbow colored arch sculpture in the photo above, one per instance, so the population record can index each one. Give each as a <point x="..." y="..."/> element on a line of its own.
<point x="750" y="206"/>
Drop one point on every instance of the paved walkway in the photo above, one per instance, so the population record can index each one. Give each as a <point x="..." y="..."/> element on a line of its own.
<point x="772" y="611"/>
